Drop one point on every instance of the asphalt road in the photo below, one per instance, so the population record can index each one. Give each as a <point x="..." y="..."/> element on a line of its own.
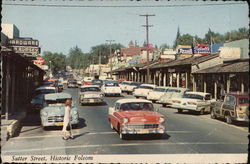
<point x="186" y="134"/>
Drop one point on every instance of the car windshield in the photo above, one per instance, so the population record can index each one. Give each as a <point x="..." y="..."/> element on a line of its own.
<point x="160" y="89"/>
<point x="135" y="84"/>
<point x="244" y="100"/>
<point x="111" y="84"/>
<point x="136" y="106"/>
<point x="90" y="89"/>
<point x="193" y="96"/>
<point x="174" y="90"/>
<point x="145" y="87"/>
<point x="45" y="91"/>
<point x="57" y="102"/>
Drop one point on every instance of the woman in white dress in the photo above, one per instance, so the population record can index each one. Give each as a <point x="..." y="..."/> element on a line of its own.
<point x="66" y="120"/>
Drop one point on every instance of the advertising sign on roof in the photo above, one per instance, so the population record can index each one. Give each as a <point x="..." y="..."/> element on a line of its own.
<point x="201" y="49"/>
<point x="185" y="50"/>
<point x="230" y="53"/>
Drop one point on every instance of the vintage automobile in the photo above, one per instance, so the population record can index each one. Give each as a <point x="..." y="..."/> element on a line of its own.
<point x="36" y="103"/>
<point x="45" y="90"/>
<point x="97" y="82"/>
<point x="123" y="85"/>
<point x="172" y="92"/>
<point x="156" y="93"/>
<point x="111" y="88"/>
<point x="135" y="116"/>
<point x="53" y="110"/>
<point x="87" y="80"/>
<point x="90" y="94"/>
<point x="143" y="90"/>
<point x="72" y="83"/>
<point x="193" y="101"/>
<point x="60" y="87"/>
<point x="232" y="107"/>
<point x="129" y="89"/>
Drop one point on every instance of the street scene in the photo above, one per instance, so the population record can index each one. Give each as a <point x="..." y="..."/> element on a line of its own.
<point x="108" y="91"/>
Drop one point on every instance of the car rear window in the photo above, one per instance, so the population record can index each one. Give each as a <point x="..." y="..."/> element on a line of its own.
<point x="135" y="84"/>
<point x="145" y="87"/>
<point x="160" y="89"/>
<point x="90" y="89"/>
<point x="111" y="84"/>
<point x="193" y="96"/>
<point x="174" y="90"/>
<point x="136" y="106"/>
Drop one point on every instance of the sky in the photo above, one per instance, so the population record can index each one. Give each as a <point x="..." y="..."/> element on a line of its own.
<point x="88" y="23"/>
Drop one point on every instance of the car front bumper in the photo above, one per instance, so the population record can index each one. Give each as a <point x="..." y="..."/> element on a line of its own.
<point x="91" y="100"/>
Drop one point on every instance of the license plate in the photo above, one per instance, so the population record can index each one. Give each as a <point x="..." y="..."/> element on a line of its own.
<point x="59" y="124"/>
<point x="91" y="100"/>
<point x="143" y="131"/>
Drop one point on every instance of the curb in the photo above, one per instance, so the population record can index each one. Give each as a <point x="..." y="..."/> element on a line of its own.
<point x="13" y="128"/>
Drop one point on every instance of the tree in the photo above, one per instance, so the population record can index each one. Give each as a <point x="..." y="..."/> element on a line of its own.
<point x="185" y="39"/>
<point x="176" y="43"/>
<point x="58" y="61"/>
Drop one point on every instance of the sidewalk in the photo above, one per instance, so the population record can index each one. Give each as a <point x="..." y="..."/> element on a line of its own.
<point x="10" y="128"/>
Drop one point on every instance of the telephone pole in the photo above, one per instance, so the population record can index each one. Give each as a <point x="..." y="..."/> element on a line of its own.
<point x="147" y="26"/>
<point x="111" y="63"/>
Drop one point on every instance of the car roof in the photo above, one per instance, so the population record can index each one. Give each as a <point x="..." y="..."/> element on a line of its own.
<point x="40" y="88"/>
<point x="132" y="100"/>
<point x="162" y="87"/>
<point x="178" y="88"/>
<point x="199" y="93"/>
<point x="55" y="96"/>
<point x="88" y="86"/>
<point x="150" y="85"/>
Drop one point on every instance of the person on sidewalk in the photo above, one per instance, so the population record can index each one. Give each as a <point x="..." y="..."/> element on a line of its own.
<point x="66" y="121"/>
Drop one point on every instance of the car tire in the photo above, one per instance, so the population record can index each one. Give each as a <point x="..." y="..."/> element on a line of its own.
<point x="212" y="114"/>
<point x="164" y="105"/>
<point x="228" y="119"/>
<point x="136" y="97"/>
<point x="179" y="110"/>
<point x="202" y="112"/>
<point x="153" y="101"/>
<point x="122" y="136"/>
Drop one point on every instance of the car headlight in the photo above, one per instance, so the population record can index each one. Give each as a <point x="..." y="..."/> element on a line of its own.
<point x="44" y="113"/>
<point x="161" y="120"/>
<point x="125" y="120"/>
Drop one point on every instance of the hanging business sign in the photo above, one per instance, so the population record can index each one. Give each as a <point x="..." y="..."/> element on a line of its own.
<point x="29" y="51"/>
<point x="185" y="51"/>
<point x="201" y="49"/>
<point x="23" y="42"/>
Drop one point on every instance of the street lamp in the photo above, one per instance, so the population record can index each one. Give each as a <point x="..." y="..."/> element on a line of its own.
<point x="111" y="64"/>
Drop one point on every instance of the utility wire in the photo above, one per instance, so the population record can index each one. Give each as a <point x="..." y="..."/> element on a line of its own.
<point x="118" y="6"/>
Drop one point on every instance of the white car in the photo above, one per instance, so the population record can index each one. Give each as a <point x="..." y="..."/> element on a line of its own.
<point x="172" y="92"/>
<point x="123" y="85"/>
<point x="90" y="94"/>
<point x="45" y="90"/>
<point x="111" y="88"/>
<point x="156" y="93"/>
<point x="193" y="101"/>
<point x="130" y="87"/>
<point x="143" y="90"/>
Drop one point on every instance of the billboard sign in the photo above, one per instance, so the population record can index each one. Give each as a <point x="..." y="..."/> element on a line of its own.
<point x="185" y="50"/>
<point x="230" y="53"/>
<point x="201" y="49"/>
<point x="23" y="42"/>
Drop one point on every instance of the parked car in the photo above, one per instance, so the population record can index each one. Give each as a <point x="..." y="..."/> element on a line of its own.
<point x="156" y="93"/>
<point x="52" y="113"/>
<point x="111" y="88"/>
<point x="90" y="94"/>
<point x="232" y="106"/>
<point x="87" y="80"/>
<point x="36" y="103"/>
<point x="172" y="92"/>
<point x="123" y="85"/>
<point x="79" y="82"/>
<point x="135" y="116"/>
<point x="129" y="89"/>
<point x="193" y="101"/>
<point x="45" y="90"/>
<point x="143" y="90"/>
<point x="72" y="83"/>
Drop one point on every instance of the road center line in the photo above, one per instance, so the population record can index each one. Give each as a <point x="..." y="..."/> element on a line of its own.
<point x="121" y="145"/>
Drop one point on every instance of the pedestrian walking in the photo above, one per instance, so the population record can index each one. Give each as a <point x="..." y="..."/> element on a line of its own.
<point x="66" y="121"/>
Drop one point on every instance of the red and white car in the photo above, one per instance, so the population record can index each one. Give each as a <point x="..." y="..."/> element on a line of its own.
<point x="135" y="116"/>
